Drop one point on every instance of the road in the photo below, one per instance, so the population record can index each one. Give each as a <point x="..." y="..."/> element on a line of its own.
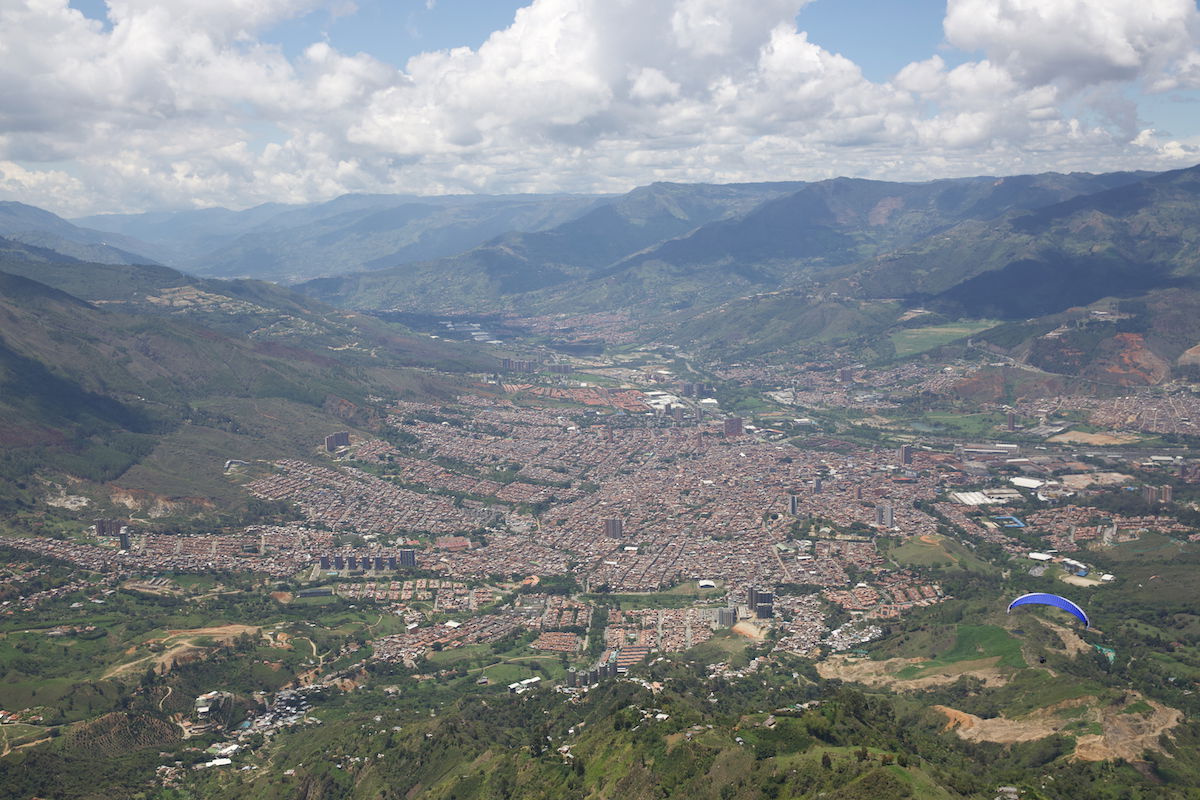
<point x="164" y="697"/>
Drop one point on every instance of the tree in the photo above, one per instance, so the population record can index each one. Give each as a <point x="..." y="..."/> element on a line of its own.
<point x="826" y="761"/>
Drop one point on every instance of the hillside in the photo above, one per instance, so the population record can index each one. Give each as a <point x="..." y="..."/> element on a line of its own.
<point x="149" y="367"/>
<point x="1053" y="274"/>
<point x="1122" y="241"/>
<point x="39" y="228"/>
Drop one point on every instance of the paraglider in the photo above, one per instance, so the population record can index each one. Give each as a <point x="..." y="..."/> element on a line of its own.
<point x="1043" y="599"/>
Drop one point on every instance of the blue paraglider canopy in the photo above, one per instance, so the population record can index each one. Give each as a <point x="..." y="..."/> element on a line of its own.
<point x="1043" y="599"/>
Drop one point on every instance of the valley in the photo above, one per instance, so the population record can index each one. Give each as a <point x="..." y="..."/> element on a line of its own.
<point x="687" y="513"/>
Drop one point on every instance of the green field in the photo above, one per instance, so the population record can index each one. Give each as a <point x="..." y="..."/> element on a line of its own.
<point x="911" y="341"/>
<point x="649" y="600"/>
<point x="972" y="425"/>
<point x="917" y="552"/>
<point x="723" y="646"/>
<point x="972" y="642"/>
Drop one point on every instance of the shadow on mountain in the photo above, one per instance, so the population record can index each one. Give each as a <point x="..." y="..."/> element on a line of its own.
<point x="1032" y="288"/>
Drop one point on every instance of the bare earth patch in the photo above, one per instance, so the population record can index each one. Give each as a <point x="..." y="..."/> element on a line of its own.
<point x="882" y="674"/>
<point x="1071" y="641"/>
<point x="1079" y="437"/>
<point x="1126" y="735"/>
<point x="749" y="631"/>
<point x="1095" y="479"/>
<point x="181" y="647"/>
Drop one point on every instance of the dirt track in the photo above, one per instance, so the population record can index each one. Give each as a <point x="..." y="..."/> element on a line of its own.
<point x="184" y="650"/>
<point x="1126" y="735"/>
<point x="882" y="674"/>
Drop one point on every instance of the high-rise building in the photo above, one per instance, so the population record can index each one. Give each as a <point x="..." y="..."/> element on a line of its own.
<point x="335" y="440"/>
<point x="858" y="493"/>
<point x="764" y="610"/>
<point x="755" y="597"/>
<point x="726" y="617"/>
<point x="905" y="454"/>
<point x="817" y="486"/>
<point x="1012" y="421"/>
<point x="408" y="558"/>
<point x="352" y="562"/>
<point x="794" y="505"/>
<point x="125" y="540"/>
<point x="325" y="562"/>
<point x="1166" y="494"/>
<point x="614" y="528"/>
<point x="733" y="426"/>
<point x="885" y="515"/>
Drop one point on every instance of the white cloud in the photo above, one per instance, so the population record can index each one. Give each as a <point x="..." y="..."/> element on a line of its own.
<point x="182" y="103"/>
<point x="1081" y="42"/>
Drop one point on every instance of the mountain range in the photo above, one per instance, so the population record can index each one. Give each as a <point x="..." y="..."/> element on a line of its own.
<point x="741" y="270"/>
<point x="670" y="246"/>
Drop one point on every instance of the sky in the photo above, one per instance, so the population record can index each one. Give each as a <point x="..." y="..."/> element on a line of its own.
<point x="133" y="105"/>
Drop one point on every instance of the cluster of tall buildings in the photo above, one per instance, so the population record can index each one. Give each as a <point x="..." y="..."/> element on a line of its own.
<point x="335" y="440"/>
<point x="520" y="365"/>
<point x="576" y="679"/>
<point x="116" y="528"/>
<point x="762" y="604"/>
<point x="370" y="561"/>
<point x="885" y="515"/>
<point x="688" y="389"/>
<point x="1158" y="494"/>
